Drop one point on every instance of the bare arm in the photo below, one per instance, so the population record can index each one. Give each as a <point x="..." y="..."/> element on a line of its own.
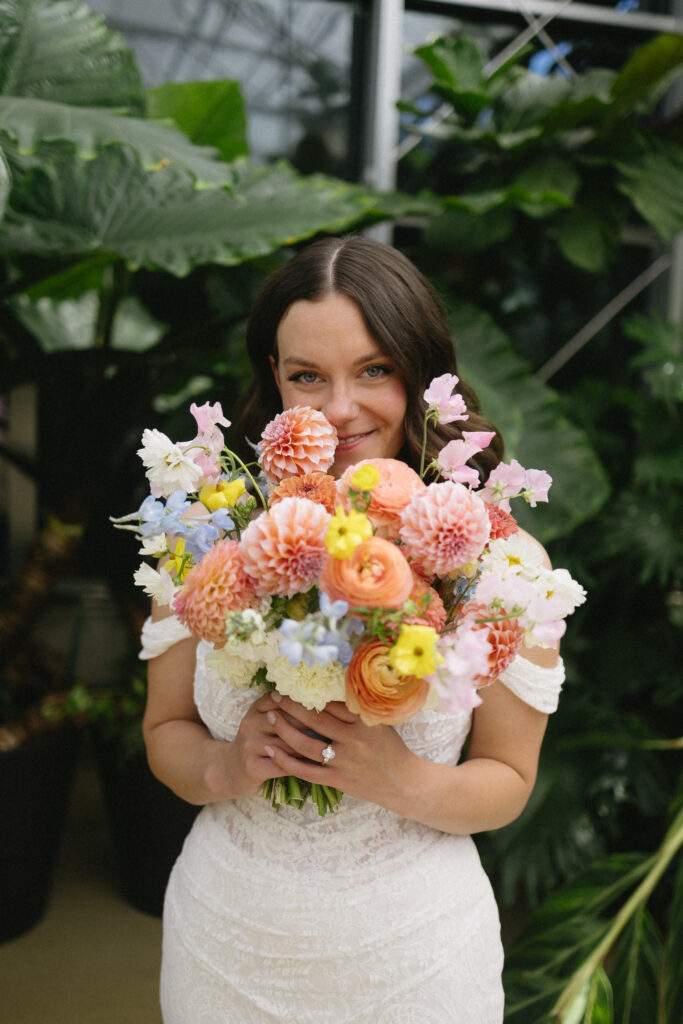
<point x="181" y="751"/>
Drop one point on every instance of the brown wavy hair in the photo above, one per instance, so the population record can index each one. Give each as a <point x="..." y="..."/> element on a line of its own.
<point x="402" y="312"/>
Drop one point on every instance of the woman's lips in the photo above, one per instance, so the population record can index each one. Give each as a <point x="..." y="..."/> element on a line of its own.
<point x="347" y="443"/>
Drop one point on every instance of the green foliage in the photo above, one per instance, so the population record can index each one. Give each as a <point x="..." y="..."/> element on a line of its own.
<point x="209" y="113"/>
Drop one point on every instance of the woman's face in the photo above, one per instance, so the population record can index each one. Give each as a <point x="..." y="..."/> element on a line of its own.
<point x="328" y="359"/>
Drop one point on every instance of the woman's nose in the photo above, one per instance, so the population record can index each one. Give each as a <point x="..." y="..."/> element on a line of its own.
<point x="340" y="406"/>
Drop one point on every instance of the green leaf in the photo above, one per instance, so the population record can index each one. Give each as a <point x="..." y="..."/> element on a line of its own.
<point x="599" y="1002"/>
<point x="30" y="123"/>
<point x="652" y="178"/>
<point x="61" y="50"/>
<point x="589" y="235"/>
<point x="460" y="231"/>
<point x="5" y="183"/>
<point x="636" y="969"/>
<point x="209" y="113"/>
<point x="648" y="73"/>
<point x="662" y="355"/>
<point x="535" y="430"/>
<point x="70" y="325"/>
<point x="159" y="220"/>
<point x="457" y="66"/>
<point x="672" y="975"/>
<point x="550" y="182"/>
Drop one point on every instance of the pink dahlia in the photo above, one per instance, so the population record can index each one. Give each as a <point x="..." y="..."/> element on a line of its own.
<point x="504" y="635"/>
<point x="297" y="441"/>
<point x="444" y="527"/>
<point x="503" y="524"/>
<point x="284" y="549"/>
<point x="215" y="586"/>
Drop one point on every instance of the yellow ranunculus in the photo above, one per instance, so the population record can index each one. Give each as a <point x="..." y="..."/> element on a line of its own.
<point x="224" y="494"/>
<point x="415" y="653"/>
<point x="346" y="531"/>
<point x="365" y="478"/>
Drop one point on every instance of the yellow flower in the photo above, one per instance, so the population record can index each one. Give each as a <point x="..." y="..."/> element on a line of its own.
<point x="175" y="563"/>
<point x="365" y="478"/>
<point x="414" y="653"/>
<point x="223" y="495"/>
<point x="346" y="531"/>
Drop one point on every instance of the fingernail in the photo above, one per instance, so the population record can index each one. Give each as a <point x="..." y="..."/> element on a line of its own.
<point x="272" y="717"/>
<point x="277" y="697"/>
<point x="269" y="751"/>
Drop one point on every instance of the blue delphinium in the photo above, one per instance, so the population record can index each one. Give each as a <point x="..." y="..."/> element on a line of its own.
<point x="321" y="637"/>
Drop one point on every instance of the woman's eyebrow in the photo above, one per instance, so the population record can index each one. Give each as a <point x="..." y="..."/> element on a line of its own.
<point x="297" y="360"/>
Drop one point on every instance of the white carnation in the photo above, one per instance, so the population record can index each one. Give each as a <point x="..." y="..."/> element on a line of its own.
<point x="225" y="666"/>
<point x="314" y="686"/>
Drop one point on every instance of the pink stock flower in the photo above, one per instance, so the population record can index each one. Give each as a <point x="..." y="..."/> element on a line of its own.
<point x="439" y="397"/>
<point x="536" y="486"/>
<point x="284" y="549"/>
<point x="215" y="586"/>
<point x="444" y="527"/>
<point x="299" y="440"/>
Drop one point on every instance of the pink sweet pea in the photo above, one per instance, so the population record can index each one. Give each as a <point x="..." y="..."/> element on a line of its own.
<point x="536" y="486"/>
<point x="504" y="482"/>
<point x="440" y="399"/>
<point x="209" y="442"/>
<point x="466" y="656"/>
<point x="455" y="454"/>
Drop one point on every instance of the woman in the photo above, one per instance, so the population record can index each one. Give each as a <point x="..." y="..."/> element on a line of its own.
<point x="381" y="912"/>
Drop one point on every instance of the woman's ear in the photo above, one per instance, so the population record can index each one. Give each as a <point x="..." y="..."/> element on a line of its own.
<point x="273" y="366"/>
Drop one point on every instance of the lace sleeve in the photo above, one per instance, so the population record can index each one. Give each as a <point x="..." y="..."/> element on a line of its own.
<point x="539" y="687"/>
<point x="158" y="636"/>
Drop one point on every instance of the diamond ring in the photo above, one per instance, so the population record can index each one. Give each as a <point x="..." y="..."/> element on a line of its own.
<point x="328" y="754"/>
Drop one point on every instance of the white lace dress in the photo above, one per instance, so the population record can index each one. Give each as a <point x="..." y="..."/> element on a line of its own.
<point x="360" y="917"/>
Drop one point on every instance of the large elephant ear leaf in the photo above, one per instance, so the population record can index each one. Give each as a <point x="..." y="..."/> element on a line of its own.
<point x="64" y="52"/>
<point x="532" y="423"/>
<point x="5" y="183"/>
<point x="159" y="220"/>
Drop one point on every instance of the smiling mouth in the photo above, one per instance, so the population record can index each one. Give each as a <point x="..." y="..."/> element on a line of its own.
<point x="345" y="442"/>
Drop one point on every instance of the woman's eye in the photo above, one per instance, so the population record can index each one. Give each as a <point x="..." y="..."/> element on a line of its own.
<point x="305" y="377"/>
<point x="377" y="370"/>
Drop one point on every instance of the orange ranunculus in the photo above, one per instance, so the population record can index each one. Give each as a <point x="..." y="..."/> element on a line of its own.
<point x="376" y="575"/>
<point x="397" y="484"/>
<point x="376" y="692"/>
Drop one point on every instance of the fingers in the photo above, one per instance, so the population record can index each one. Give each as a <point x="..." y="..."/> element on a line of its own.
<point x="298" y="742"/>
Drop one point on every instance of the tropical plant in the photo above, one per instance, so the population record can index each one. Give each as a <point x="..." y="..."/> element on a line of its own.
<point x="540" y="177"/>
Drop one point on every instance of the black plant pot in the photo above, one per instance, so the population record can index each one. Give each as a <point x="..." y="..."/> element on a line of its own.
<point x="148" y="822"/>
<point x="35" y="781"/>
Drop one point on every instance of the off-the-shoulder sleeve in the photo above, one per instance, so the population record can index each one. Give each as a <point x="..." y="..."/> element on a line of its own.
<point x="537" y="686"/>
<point x="158" y="636"/>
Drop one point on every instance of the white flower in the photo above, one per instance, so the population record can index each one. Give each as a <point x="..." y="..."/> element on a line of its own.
<point x="311" y="685"/>
<point x="157" y="585"/>
<point x="168" y="468"/>
<point x="226" y="666"/>
<point x="513" y="556"/>
<point x="154" y="547"/>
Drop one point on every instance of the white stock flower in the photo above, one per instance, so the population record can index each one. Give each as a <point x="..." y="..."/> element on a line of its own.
<point x="168" y="468"/>
<point x="157" y="585"/>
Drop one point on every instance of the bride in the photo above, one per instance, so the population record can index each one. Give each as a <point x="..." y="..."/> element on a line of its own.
<point x="381" y="912"/>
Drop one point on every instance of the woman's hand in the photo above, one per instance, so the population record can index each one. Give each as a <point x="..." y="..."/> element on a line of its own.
<point x="370" y="762"/>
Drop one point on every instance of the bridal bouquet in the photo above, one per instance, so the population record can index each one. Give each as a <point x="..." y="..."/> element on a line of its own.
<point x="376" y="589"/>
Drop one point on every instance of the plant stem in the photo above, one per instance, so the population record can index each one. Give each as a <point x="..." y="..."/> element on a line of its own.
<point x="672" y="842"/>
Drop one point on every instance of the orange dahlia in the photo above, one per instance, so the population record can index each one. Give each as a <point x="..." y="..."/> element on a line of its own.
<point x="298" y="440"/>
<point x="376" y="692"/>
<point x="504" y="635"/>
<point x="284" y="549"/>
<point x="215" y="586"/>
<point x="503" y="524"/>
<point x="318" y="487"/>
<point x="444" y="527"/>
<point x="430" y="607"/>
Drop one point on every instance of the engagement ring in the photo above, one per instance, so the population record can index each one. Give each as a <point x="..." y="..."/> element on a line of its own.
<point x="328" y="754"/>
